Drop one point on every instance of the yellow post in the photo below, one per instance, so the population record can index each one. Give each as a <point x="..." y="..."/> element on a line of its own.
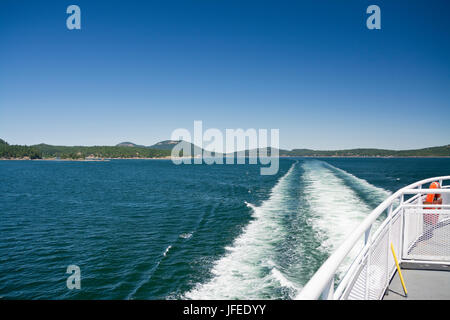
<point x="398" y="269"/>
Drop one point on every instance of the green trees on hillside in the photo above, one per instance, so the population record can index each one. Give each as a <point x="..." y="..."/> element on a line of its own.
<point x="80" y="152"/>
<point x="443" y="151"/>
<point x="47" y="151"/>
<point x="18" y="152"/>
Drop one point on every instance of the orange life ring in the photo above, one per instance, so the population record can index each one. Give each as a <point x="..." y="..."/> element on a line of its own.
<point x="432" y="218"/>
<point x="431" y="196"/>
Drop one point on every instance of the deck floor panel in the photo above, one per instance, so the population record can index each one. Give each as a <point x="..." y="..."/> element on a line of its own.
<point x="421" y="285"/>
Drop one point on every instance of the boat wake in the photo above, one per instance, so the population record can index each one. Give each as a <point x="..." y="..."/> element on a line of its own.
<point x="247" y="270"/>
<point x="371" y="194"/>
<point x="336" y="205"/>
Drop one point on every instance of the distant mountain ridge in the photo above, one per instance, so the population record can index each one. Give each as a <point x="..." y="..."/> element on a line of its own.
<point x="129" y="144"/>
<point x="162" y="145"/>
<point x="440" y="151"/>
<point x="166" y="145"/>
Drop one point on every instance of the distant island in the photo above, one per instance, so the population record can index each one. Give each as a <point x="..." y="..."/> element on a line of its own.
<point x="46" y="151"/>
<point x="441" y="151"/>
<point x="163" y="149"/>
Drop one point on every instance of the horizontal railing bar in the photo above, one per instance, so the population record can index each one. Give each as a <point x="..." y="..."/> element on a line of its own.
<point x="422" y="258"/>
<point x="429" y="211"/>
<point x="413" y="261"/>
<point x="425" y="191"/>
<point x="426" y="205"/>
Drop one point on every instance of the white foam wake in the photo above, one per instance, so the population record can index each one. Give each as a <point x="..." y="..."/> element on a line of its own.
<point x="247" y="270"/>
<point x="167" y="250"/>
<point x="336" y="209"/>
<point x="284" y="282"/>
<point x="186" y="235"/>
<point x="376" y="194"/>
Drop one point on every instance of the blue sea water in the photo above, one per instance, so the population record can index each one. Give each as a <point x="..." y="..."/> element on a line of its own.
<point x="149" y="229"/>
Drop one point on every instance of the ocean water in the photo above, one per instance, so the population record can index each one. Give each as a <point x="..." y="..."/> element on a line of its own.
<point x="148" y="229"/>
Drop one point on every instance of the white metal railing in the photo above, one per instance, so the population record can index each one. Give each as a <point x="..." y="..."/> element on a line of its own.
<point x="414" y="241"/>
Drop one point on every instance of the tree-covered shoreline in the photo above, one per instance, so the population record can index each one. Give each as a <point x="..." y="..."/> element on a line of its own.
<point x="131" y="151"/>
<point x="8" y="151"/>
<point x="441" y="151"/>
<point x="81" y="152"/>
<point x="45" y="151"/>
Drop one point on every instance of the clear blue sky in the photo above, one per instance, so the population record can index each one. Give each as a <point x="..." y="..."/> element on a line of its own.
<point x="137" y="70"/>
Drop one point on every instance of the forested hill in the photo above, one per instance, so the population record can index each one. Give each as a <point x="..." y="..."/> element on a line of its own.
<point x="81" y="152"/>
<point x="18" y="152"/>
<point x="442" y="151"/>
<point x="42" y="151"/>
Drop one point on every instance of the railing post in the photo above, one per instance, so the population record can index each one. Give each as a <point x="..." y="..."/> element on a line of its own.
<point x="420" y="203"/>
<point x="328" y="292"/>
<point x="366" y="288"/>
<point x="419" y="198"/>
<point x="386" y="283"/>
<point x="367" y="235"/>
<point x="402" y="226"/>
<point x="366" y="241"/>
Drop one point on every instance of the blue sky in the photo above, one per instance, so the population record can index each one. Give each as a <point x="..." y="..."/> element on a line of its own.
<point x="137" y="70"/>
